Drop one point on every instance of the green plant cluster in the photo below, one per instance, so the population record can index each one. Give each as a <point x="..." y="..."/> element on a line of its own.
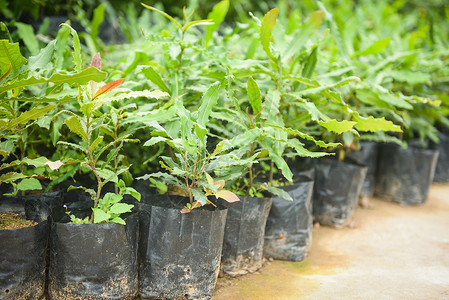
<point x="207" y="108"/>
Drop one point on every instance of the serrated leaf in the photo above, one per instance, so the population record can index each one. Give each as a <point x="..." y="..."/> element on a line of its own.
<point x="268" y="25"/>
<point x="81" y="78"/>
<point x="10" y="56"/>
<point x="374" y="124"/>
<point x="108" y="87"/>
<point x="96" y="142"/>
<point x="107" y="175"/>
<point x="199" y="196"/>
<point x="77" y="60"/>
<point x="29" y="184"/>
<point x="227" y="195"/>
<point x="27" y="116"/>
<point x="100" y="216"/>
<point x="254" y="95"/>
<point x="154" y="140"/>
<point x="75" y="126"/>
<point x="43" y="58"/>
<point x="337" y="126"/>
<point x="137" y="94"/>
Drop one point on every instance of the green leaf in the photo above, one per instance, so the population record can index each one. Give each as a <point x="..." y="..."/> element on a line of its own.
<point x="155" y="78"/>
<point x="121" y="208"/>
<point x="118" y="220"/>
<point x="310" y="63"/>
<point x="154" y="140"/>
<point x="170" y="179"/>
<point x="376" y="47"/>
<point x="81" y="78"/>
<point x="268" y="25"/>
<point x="303" y="34"/>
<point x="254" y="95"/>
<point x="279" y="192"/>
<point x="164" y="14"/>
<point x="107" y="175"/>
<point x="10" y="56"/>
<point x="208" y="101"/>
<point x="100" y="216"/>
<point x="96" y="142"/>
<point x="77" y="60"/>
<point x="218" y="15"/>
<point x="199" y="196"/>
<point x="43" y="58"/>
<point x="196" y="23"/>
<point x="336" y="126"/>
<point x="281" y="164"/>
<point x="35" y="162"/>
<point x="410" y="77"/>
<point x="26" y="33"/>
<point x="374" y="124"/>
<point x="27" y="116"/>
<point x="136" y="94"/>
<point x="97" y="19"/>
<point x="29" y="184"/>
<point x="75" y="126"/>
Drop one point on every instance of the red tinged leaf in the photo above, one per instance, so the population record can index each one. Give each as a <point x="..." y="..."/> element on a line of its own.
<point x="108" y="87"/>
<point x="96" y="61"/>
<point x="227" y="195"/>
<point x="187" y="210"/>
<point x="7" y="72"/>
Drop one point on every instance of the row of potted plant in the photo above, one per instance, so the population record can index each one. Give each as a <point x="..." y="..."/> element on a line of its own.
<point x="208" y="127"/>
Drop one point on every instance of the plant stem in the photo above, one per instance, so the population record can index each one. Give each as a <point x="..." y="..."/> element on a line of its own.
<point x="182" y="51"/>
<point x="270" y="179"/>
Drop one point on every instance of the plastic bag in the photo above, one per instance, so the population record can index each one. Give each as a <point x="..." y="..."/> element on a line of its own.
<point x="288" y="233"/>
<point x="179" y="253"/>
<point x="404" y="175"/>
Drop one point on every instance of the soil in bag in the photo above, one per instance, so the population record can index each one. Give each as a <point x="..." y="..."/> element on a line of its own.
<point x="367" y="156"/>
<point x="288" y="233"/>
<point x="179" y="253"/>
<point x="94" y="261"/>
<point x="336" y="191"/>
<point x="405" y="174"/>
<point x="23" y="251"/>
<point x="244" y="235"/>
<point x="442" y="165"/>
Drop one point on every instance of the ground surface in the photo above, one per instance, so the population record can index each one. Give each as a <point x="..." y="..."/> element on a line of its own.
<point x="391" y="252"/>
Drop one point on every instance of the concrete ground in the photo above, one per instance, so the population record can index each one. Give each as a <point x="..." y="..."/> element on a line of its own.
<point x="391" y="252"/>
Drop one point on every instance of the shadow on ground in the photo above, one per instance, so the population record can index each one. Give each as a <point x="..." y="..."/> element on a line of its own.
<point x="391" y="252"/>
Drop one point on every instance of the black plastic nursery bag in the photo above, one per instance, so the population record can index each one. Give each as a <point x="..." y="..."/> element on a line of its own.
<point x="288" y="233"/>
<point x="367" y="155"/>
<point x="442" y="165"/>
<point x="23" y="251"/>
<point x="94" y="261"/>
<point x="179" y="253"/>
<point x="404" y="175"/>
<point x="244" y="235"/>
<point x="336" y="191"/>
